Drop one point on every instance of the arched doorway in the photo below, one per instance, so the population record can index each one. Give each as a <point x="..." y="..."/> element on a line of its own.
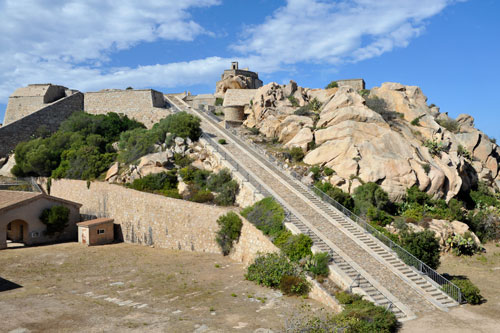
<point x="17" y="231"/>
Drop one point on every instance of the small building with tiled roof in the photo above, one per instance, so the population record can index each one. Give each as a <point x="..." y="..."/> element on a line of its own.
<point x="96" y="232"/>
<point x="20" y="218"/>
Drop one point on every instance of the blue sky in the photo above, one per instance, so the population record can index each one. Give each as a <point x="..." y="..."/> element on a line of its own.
<point x="450" y="48"/>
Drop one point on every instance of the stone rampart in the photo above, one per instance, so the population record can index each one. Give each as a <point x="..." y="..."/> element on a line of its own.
<point x="146" y="106"/>
<point x="27" y="100"/>
<point x="357" y="84"/>
<point x="155" y="220"/>
<point x="50" y="117"/>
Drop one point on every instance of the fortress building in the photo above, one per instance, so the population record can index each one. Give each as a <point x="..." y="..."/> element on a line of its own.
<point x="236" y="78"/>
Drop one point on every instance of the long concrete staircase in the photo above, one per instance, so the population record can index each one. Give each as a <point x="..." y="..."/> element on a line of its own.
<point x="363" y="260"/>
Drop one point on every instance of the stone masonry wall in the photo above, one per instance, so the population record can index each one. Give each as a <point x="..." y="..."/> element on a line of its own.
<point x="151" y="219"/>
<point x="50" y="116"/>
<point x="146" y="106"/>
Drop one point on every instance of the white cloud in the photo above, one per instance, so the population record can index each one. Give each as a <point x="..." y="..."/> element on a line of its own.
<point x="334" y="32"/>
<point x="69" y="41"/>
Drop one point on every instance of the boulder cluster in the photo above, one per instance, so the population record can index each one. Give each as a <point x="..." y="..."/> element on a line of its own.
<point x="164" y="159"/>
<point x="388" y="135"/>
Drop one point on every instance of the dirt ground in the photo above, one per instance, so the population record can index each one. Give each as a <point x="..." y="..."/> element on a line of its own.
<point x="127" y="288"/>
<point x="484" y="271"/>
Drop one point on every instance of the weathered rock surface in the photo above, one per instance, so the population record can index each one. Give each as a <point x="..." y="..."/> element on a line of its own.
<point x="372" y="138"/>
<point x="7" y="167"/>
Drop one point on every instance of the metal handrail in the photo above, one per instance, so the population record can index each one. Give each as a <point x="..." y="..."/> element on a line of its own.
<point x="447" y="286"/>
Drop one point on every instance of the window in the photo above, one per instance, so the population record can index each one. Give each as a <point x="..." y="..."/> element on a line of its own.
<point x="34" y="234"/>
<point x="100" y="231"/>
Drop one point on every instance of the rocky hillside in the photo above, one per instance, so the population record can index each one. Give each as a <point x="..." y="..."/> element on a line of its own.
<point x="388" y="135"/>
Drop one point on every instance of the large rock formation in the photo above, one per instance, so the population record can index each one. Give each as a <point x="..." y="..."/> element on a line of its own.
<point x="391" y="137"/>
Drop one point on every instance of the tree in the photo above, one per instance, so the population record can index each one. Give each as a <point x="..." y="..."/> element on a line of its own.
<point x="229" y="231"/>
<point x="180" y="124"/>
<point x="55" y="218"/>
<point x="423" y="245"/>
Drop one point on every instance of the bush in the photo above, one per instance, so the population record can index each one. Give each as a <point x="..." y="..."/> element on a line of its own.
<point x="303" y="110"/>
<point x="55" y="218"/>
<point x="317" y="264"/>
<point x="315" y="104"/>
<point x="294" y="285"/>
<point x="135" y="144"/>
<point x="156" y="182"/>
<point x="337" y="194"/>
<point x="461" y="151"/>
<point x="181" y="124"/>
<point x="450" y="124"/>
<point x="347" y="298"/>
<point x="182" y="160"/>
<point x="297" y="154"/>
<point x="415" y="213"/>
<point x="427" y="168"/>
<point x="416" y="121"/>
<point x="297" y="247"/>
<point x="485" y="224"/>
<point x="202" y="196"/>
<point x="328" y="172"/>
<point x="423" y="245"/>
<point x="463" y="244"/>
<point x="267" y="215"/>
<point x="222" y="141"/>
<point x="435" y="148"/>
<point x="219" y="101"/>
<point x="365" y="316"/>
<point x="370" y="194"/>
<point x="254" y="130"/>
<point x="364" y="93"/>
<point x="269" y="269"/>
<point x="378" y="216"/>
<point x="332" y="84"/>
<point x="293" y="100"/>
<point x="229" y="231"/>
<point x="470" y="292"/>
<point x="227" y="194"/>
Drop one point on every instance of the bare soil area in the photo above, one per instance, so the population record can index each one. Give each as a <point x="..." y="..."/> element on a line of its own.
<point x="484" y="271"/>
<point x="126" y="288"/>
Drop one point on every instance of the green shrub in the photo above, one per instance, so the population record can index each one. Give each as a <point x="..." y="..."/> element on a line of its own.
<point x="364" y="92"/>
<point x="414" y="213"/>
<point x="254" y="130"/>
<point x="294" y="285"/>
<point x="337" y="194"/>
<point x="485" y="224"/>
<point x="316" y="172"/>
<point x="424" y="245"/>
<point x="470" y="292"/>
<point x="293" y="100"/>
<point x="461" y="151"/>
<point x="219" y="101"/>
<point x="435" y="148"/>
<point x="202" y="196"/>
<point x="171" y="193"/>
<point x="378" y="216"/>
<point x="328" y="172"/>
<point x="55" y="218"/>
<point x="416" y="121"/>
<point x="135" y="144"/>
<point x="332" y="84"/>
<point x="227" y="194"/>
<point x="317" y="264"/>
<point x="297" y="154"/>
<point x="181" y="124"/>
<point x="347" y="298"/>
<point x="182" y="160"/>
<point x="303" y="110"/>
<point x="269" y="269"/>
<point x="365" y="316"/>
<point x="450" y="124"/>
<point x="370" y="194"/>
<point x="222" y="141"/>
<point x="267" y="215"/>
<point x="297" y="247"/>
<point x="463" y="244"/>
<point x="315" y="104"/>
<point x="229" y="231"/>
<point x="156" y="182"/>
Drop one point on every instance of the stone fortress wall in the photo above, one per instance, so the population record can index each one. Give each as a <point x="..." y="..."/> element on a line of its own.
<point x="147" y="106"/>
<point x="155" y="220"/>
<point x="357" y="84"/>
<point x="49" y="117"/>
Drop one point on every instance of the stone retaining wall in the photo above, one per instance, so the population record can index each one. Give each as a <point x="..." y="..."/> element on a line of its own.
<point x="50" y="117"/>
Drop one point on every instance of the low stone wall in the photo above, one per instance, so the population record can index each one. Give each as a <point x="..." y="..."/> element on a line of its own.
<point x="50" y="116"/>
